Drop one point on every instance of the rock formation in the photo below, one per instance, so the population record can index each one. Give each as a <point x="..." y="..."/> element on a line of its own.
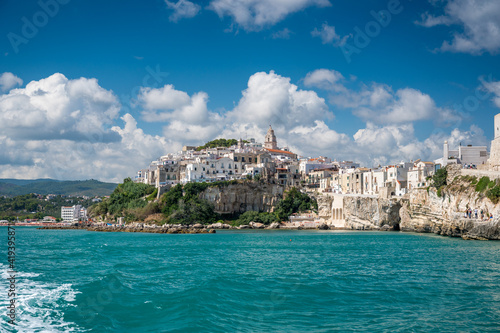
<point x="239" y="198"/>
<point x="425" y="211"/>
<point x="371" y="213"/>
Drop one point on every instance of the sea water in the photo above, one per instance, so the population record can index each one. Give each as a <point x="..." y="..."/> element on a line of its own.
<point x="252" y="281"/>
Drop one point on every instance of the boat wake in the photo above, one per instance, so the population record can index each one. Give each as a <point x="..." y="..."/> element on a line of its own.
<point x="40" y="307"/>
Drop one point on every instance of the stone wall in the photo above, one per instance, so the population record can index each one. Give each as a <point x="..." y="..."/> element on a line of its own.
<point x="480" y="173"/>
<point x="239" y="198"/>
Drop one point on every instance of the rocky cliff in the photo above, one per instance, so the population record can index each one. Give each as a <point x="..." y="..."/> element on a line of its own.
<point x="371" y="213"/>
<point x="239" y="198"/>
<point x="425" y="211"/>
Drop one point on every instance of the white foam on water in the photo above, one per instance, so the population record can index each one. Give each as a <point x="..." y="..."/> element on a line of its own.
<point x="39" y="306"/>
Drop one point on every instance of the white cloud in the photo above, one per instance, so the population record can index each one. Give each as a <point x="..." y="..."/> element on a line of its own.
<point x="494" y="88"/>
<point x="58" y="108"/>
<point x="272" y="99"/>
<point x="9" y="81"/>
<point x="282" y="34"/>
<point x="66" y="129"/>
<point x="378" y="103"/>
<point x="479" y="22"/>
<point x="166" y="103"/>
<point x="182" y="9"/>
<point x="255" y="15"/>
<point x="50" y="138"/>
<point x="67" y="159"/>
<point x="325" y="79"/>
<point x="328" y="35"/>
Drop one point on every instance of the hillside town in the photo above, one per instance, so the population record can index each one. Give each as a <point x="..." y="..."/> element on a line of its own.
<point x="270" y="163"/>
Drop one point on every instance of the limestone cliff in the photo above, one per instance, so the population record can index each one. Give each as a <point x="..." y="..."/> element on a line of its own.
<point x="425" y="211"/>
<point x="371" y="213"/>
<point x="239" y="198"/>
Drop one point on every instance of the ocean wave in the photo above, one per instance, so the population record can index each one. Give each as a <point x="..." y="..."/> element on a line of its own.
<point x="40" y="307"/>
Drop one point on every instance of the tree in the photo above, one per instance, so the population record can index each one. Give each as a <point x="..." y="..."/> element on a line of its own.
<point x="170" y="200"/>
<point x="294" y="202"/>
<point x="439" y="178"/>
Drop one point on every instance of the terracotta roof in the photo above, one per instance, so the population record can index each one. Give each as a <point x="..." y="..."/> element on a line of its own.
<point x="278" y="151"/>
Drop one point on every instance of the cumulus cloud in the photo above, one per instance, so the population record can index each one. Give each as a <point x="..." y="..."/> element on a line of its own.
<point x="58" y="108"/>
<point x="273" y="99"/>
<point x="325" y="79"/>
<point x="378" y="103"/>
<point x="66" y="129"/>
<point x="479" y="22"/>
<point x="51" y="138"/>
<point x="328" y="35"/>
<point x="182" y="9"/>
<point x="167" y="103"/>
<point x="9" y="81"/>
<point x="254" y="15"/>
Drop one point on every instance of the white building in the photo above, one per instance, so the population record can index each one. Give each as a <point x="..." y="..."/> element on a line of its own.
<point x="465" y="155"/>
<point x="73" y="213"/>
<point x="417" y="176"/>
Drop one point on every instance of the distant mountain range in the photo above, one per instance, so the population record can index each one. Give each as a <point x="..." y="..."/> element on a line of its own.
<point x="92" y="187"/>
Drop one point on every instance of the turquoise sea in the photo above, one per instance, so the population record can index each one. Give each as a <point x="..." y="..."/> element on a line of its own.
<point x="252" y="281"/>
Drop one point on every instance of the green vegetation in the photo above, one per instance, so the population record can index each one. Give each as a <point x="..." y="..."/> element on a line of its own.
<point x="32" y="206"/>
<point x="439" y="178"/>
<point x="494" y="194"/>
<point x="294" y="202"/>
<point x="126" y="200"/>
<point x="194" y="210"/>
<point x="183" y="205"/>
<point x="253" y="216"/>
<point x="482" y="184"/>
<point x="219" y="143"/>
<point x="15" y="187"/>
<point x="470" y="179"/>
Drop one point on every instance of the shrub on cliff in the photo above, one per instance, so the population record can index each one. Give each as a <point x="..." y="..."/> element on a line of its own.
<point x="170" y="200"/>
<point x="494" y="194"/>
<point x="439" y="178"/>
<point x="482" y="184"/>
<point x="193" y="211"/>
<point x="128" y="195"/>
<point x="253" y="216"/>
<point x="294" y="202"/>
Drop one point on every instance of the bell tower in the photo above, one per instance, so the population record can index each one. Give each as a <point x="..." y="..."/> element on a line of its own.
<point x="270" y="140"/>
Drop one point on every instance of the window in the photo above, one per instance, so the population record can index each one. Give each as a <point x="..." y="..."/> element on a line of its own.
<point x="222" y="165"/>
<point x="243" y="159"/>
<point x="236" y="158"/>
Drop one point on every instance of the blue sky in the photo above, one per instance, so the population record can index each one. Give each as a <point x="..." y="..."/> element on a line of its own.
<point x="169" y="73"/>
